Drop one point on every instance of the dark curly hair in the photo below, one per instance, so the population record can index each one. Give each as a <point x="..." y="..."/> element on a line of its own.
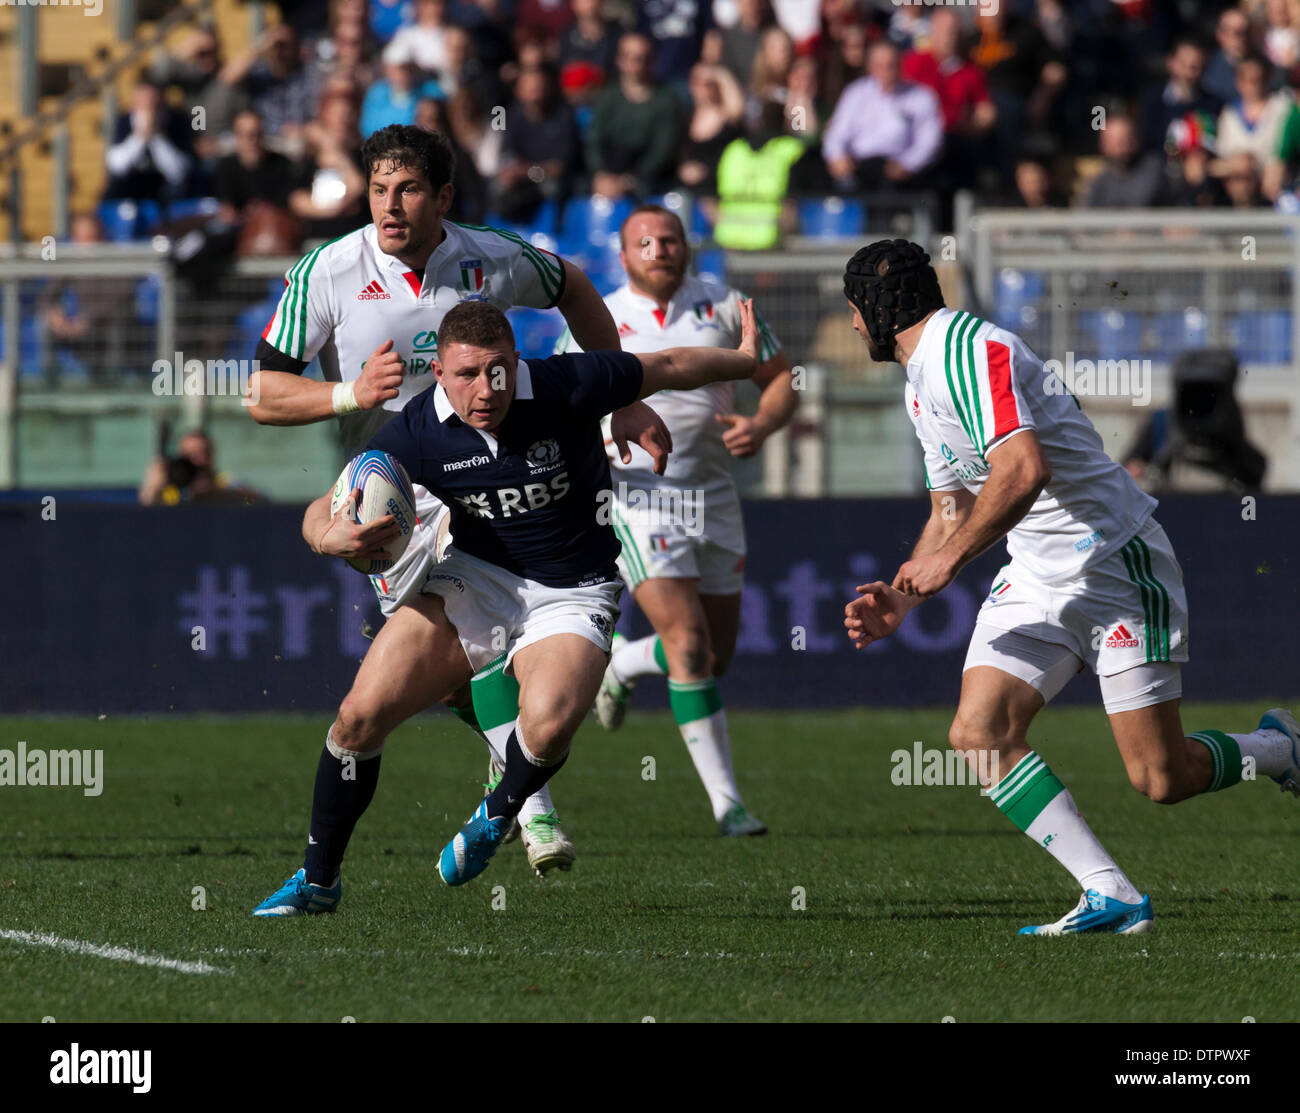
<point x="413" y="148"/>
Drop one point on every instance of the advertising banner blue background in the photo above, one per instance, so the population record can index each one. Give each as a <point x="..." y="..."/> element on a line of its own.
<point x="101" y="602"/>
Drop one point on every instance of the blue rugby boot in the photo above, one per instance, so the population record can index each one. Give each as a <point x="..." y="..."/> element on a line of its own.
<point x="468" y="854"/>
<point x="297" y="898"/>
<point x="1280" y="719"/>
<point x="1096" y="913"/>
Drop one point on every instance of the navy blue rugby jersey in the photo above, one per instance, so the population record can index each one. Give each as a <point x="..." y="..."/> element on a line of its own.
<point x="526" y="498"/>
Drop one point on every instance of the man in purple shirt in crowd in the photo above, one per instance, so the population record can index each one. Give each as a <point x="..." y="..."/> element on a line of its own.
<point x="884" y="132"/>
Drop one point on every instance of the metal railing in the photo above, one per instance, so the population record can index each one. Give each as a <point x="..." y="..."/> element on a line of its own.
<point x="1144" y="285"/>
<point x="52" y="124"/>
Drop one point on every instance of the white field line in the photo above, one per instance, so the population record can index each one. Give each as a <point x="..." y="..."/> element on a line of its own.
<point x="100" y="950"/>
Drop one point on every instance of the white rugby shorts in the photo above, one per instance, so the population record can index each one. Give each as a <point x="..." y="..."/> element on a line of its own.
<point x="670" y="533"/>
<point x="495" y="611"/>
<point x="1125" y="618"/>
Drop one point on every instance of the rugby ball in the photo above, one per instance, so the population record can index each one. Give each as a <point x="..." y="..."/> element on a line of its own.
<point x="385" y="489"/>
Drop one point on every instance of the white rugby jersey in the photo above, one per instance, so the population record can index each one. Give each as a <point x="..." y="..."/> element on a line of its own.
<point x="700" y="315"/>
<point x="344" y="299"/>
<point x="971" y="385"/>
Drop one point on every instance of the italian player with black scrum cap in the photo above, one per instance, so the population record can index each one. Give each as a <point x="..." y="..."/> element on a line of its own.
<point x="1092" y="580"/>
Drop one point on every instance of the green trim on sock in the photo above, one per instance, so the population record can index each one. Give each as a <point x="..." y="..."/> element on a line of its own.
<point x="1024" y="792"/>
<point x="693" y="700"/>
<point x="1225" y="753"/>
<point x="496" y="695"/>
<point x="661" y="658"/>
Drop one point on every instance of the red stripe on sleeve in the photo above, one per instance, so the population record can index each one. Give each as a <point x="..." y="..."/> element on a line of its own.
<point x="1005" y="415"/>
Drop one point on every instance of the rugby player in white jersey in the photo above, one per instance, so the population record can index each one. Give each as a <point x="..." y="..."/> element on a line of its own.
<point x="1092" y="580"/>
<point x="683" y="536"/>
<point x="369" y="305"/>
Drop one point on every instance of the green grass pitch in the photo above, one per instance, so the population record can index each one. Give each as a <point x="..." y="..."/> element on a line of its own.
<point x="913" y="894"/>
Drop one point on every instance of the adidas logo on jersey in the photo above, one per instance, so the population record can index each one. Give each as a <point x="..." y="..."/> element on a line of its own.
<point x="373" y="292"/>
<point x="1120" y="638"/>
<point x="625" y="329"/>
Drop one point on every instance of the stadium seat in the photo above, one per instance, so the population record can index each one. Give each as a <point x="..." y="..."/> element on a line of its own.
<point x="544" y="222"/>
<point x="536" y="331"/>
<point x="692" y="215"/>
<point x="192" y="206"/>
<point x="146" y="300"/>
<point x="1013" y="292"/>
<point x="711" y="265"/>
<point x="128" y="220"/>
<point x="1110" y="334"/>
<point x="593" y="221"/>
<point x="249" y="324"/>
<point x="831" y="218"/>
<point x="1261" y="336"/>
<point x="31" y="345"/>
<point x="1176" y="331"/>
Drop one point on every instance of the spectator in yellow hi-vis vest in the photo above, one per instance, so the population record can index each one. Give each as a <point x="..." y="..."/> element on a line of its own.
<point x="753" y="180"/>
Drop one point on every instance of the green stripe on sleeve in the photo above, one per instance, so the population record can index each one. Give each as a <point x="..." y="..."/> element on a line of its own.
<point x="285" y="309"/>
<point x="972" y="370"/>
<point x="952" y="347"/>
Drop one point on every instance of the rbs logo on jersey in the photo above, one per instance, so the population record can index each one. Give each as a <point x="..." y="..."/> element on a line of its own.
<point x="509" y="502"/>
<point x="542" y="456"/>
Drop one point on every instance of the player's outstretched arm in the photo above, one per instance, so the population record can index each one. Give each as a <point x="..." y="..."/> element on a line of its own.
<point x="283" y="398"/>
<point x="688" y="368"/>
<point x="1018" y="471"/>
<point x="341" y="535"/>
<point x="586" y="313"/>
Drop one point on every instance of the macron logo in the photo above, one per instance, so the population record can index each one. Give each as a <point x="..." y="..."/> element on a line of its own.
<point x="373" y="292"/>
<point x="1120" y="638"/>
<point x="472" y="462"/>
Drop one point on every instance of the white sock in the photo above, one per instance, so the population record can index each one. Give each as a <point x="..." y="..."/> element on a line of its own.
<point x="700" y="716"/>
<point x="643" y="657"/>
<point x="1271" y="750"/>
<point x="1036" y="802"/>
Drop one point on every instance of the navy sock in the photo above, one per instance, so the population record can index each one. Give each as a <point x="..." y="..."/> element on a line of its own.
<point x="521" y="779"/>
<point x="344" y="789"/>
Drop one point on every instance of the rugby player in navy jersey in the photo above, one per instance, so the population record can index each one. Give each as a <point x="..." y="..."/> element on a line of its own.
<point x="515" y="449"/>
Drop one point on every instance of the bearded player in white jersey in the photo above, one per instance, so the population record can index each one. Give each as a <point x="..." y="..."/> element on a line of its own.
<point x="369" y="305"/>
<point x="1092" y="581"/>
<point x="683" y="537"/>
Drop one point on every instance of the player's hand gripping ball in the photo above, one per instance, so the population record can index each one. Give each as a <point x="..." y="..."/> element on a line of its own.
<point x="385" y="489"/>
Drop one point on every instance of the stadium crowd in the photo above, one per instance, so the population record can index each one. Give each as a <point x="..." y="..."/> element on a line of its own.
<point x="752" y="102"/>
